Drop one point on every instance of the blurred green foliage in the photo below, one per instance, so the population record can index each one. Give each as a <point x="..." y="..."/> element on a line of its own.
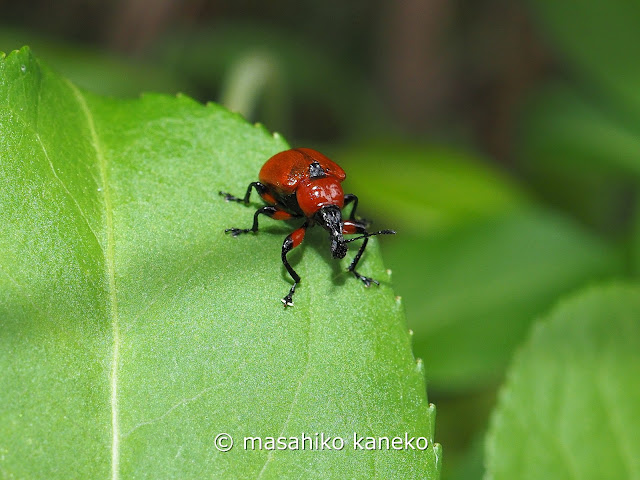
<point x="296" y="80"/>
<point x="569" y="407"/>
<point x="426" y="189"/>
<point x="476" y="260"/>
<point x="97" y="71"/>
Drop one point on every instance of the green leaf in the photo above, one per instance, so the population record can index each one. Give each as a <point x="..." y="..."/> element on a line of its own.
<point x="134" y="330"/>
<point x="570" y="407"/>
<point x="471" y="293"/>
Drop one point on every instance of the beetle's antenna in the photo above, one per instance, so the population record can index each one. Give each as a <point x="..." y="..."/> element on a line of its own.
<point x="366" y="235"/>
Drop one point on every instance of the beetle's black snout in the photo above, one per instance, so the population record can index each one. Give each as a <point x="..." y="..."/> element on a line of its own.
<point x="330" y="218"/>
<point x="338" y="246"/>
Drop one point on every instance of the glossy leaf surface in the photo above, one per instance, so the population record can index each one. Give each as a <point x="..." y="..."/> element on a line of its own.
<point x="134" y="330"/>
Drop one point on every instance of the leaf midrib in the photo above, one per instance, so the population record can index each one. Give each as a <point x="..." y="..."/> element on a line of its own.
<point x="109" y="258"/>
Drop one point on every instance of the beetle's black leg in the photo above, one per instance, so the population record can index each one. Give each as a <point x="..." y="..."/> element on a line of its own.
<point x="269" y="211"/>
<point x="352" y="267"/>
<point x="260" y="188"/>
<point x="351" y="227"/>
<point x="349" y="198"/>
<point x="292" y="241"/>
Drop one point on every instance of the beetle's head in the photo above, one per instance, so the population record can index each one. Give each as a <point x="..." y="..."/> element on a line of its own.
<point x="330" y="217"/>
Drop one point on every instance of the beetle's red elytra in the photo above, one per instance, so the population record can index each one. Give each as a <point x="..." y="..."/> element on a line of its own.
<point x="304" y="183"/>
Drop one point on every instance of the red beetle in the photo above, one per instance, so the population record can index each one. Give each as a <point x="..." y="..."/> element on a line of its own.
<point x="304" y="183"/>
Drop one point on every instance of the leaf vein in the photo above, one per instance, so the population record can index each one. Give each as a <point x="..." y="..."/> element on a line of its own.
<point x="159" y="418"/>
<point x="71" y="196"/>
<point x="38" y="138"/>
<point x="109" y="254"/>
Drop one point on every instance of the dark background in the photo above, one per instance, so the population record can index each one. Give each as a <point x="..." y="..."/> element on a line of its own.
<point x="430" y="68"/>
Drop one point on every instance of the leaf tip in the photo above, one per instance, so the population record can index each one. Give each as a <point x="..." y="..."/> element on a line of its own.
<point x="264" y="129"/>
<point x="411" y="338"/>
<point x="25" y="50"/>
<point x="420" y="366"/>
<point x="431" y="413"/>
<point x="437" y="450"/>
<point x="22" y="59"/>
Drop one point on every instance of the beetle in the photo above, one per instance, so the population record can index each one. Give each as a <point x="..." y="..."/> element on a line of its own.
<point x="304" y="183"/>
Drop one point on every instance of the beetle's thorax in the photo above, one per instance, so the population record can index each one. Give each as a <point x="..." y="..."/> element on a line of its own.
<point x="313" y="194"/>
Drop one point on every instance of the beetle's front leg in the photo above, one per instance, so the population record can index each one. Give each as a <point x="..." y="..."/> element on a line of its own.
<point x="260" y="188"/>
<point x="272" y="212"/>
<point x="292" y="241"/>
<point x="351" y="198"/>
<point x="351" y="227"/>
